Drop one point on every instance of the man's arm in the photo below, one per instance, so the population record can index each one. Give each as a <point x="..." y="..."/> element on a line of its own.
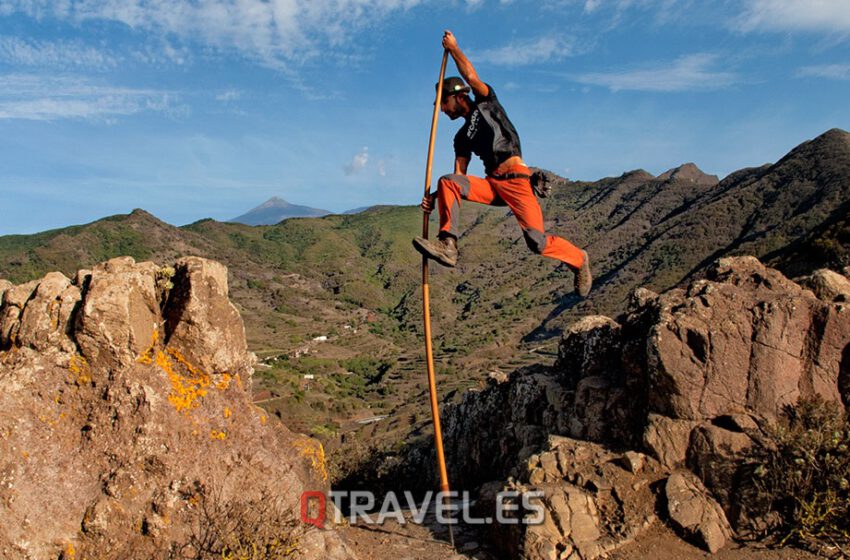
<point x="461" y="164"/>
<point x="464" y="66"/>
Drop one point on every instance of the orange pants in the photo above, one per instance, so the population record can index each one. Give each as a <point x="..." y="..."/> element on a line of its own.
<point x="516" y="194"/>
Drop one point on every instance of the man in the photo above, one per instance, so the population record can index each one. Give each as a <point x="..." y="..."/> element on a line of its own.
<point x="489" y="133"/>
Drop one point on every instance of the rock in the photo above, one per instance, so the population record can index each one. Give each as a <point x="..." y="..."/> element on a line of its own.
<point x="667" y="439"/>
<point x="633" y="461"/>
<point x="120" y="317"/>
<point x="4" y="285"/>
<point x="591" y="507"/>
<point x="202" y="324"/>
<point x="828" y="285"/>
<point x="714" y="454"/>
<point x="497" y="377"/>
<point x="122" y="446"/>
<point x="587" y="349"/>
<point x="45" y="319"/>
<point x="694" y="512"/>
<point x="688" y="376"/>
<point x="13" y="303"/>
<point x="747" y="339"/>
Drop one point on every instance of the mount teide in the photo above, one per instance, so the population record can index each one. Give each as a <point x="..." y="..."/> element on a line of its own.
<point x="275" y="210"/>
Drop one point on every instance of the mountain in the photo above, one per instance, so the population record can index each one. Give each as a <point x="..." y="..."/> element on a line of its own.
<point x="502" y="306"/>
<point x="275" y="210"/>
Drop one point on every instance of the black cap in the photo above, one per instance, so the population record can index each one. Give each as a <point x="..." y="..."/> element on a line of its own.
<point x="453" y="85"/>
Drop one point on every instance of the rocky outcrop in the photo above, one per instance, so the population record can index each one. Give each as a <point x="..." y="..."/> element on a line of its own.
<point x="126" y="428"/>
<point x="690" y="377"/>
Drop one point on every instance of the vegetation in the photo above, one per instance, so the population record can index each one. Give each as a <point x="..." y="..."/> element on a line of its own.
<point x="802" y="473"/>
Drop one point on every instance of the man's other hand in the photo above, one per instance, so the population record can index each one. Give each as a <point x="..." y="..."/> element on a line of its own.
<point x="428" y="203"/>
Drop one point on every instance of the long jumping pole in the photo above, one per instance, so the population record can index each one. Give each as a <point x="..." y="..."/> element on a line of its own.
<point x="429" y="351"/>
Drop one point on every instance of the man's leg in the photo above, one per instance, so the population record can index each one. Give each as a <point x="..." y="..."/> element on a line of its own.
<point x="518" y="195"/>
<point x="450" y="190"/>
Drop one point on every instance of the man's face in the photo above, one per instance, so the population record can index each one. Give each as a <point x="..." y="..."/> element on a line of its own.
<point x="451" y="106"/>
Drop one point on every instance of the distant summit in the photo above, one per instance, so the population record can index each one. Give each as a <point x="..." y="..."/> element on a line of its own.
<point x="689" y="172"/>
<point x="275" y="210"/>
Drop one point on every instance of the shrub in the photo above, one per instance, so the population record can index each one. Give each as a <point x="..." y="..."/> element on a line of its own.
<point x="240" y="528"/>
<point x="800" y="477"/>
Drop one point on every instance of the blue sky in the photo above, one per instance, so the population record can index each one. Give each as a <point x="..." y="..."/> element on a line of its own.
<point x="206" y="108"/>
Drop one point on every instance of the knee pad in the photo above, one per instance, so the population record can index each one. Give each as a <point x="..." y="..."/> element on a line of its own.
<point x="536" y="240"/>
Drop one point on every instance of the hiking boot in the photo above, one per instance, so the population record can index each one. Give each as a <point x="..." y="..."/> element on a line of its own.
<point x="443" y="250"/>
<point x="583" y="278"/>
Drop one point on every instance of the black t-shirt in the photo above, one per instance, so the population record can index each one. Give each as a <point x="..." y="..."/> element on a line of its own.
<point x="488" y="133"/>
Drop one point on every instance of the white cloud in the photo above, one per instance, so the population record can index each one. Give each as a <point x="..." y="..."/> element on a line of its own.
<point x="829" y="71"/>
<point x="534" y="51"/>
<point x="229" y="95"/>
<point x="687" y="73"/>
<point x="277" y="33"/>
<point x="358" y="162"/>
<point x="46" y="98"/>
<point x="52" y="54"/>
<point x="795" y="15"/>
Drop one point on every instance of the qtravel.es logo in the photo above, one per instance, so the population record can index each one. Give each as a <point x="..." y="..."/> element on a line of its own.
<point x="512" y="508"/>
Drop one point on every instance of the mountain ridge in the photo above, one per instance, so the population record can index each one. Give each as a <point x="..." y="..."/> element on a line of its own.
<point x="301" y="279"/>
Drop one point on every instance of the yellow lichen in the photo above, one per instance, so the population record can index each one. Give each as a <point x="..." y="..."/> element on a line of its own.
<point x="315" y="452"/>
<point x="216" y="434"/>
<point x="147" y="356"/>
<point x="227" y="412"/>
<point x="186" y="388"/>
<point x="263" y="419"/>
<point x="81" y="370"/>
<point x="224" y="383"/>
<point x="70" y="553"/>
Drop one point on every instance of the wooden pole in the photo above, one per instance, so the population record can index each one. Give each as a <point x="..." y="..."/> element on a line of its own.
<point x="426" y="309"/>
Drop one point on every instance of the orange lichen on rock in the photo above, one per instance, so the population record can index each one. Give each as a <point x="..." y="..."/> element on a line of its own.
<point x="218" y="434"/>
<point x="224" y="383"/>
<point x="147" y="356"/>
<point x="81" y="370"/>
<point x="188" y="383"/>
<point x="186" y="388"/>
<point x="227" y="412"/>
<point x="315" y="452"/>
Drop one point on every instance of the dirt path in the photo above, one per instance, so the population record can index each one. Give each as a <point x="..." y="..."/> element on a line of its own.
<point x="394" y="541"/>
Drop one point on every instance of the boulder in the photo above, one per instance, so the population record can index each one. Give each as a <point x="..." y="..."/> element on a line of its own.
<point x="14" y="300"/>
<point x="714" y="454"/>
<point x="745" y="340"/>
<point x="201" y="323"/>
<point x="46" y="318"/>
<point x="694" y="512"/>
<point x="827" y="285"/>
<point x="119" y="318"/>
<point x="124" y="446"/>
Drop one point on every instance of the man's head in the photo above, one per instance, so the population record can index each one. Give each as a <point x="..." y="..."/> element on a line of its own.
<point x="455" y="98"/>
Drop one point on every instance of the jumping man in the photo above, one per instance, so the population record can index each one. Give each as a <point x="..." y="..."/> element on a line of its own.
<point x="489" y="134"/>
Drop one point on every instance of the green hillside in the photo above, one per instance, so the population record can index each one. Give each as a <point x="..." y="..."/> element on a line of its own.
<point x="355" y="279"/>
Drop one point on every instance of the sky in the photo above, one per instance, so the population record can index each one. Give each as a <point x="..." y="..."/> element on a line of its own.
<point x="206" y="108"/>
